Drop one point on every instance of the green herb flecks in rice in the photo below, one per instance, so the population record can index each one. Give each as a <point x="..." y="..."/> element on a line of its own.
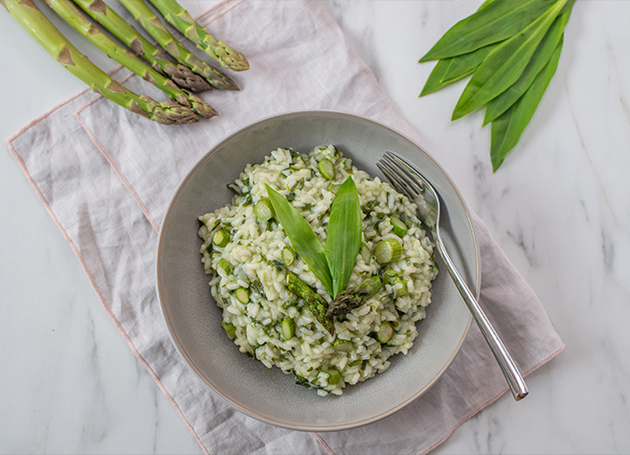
<point x="249" y="272"/>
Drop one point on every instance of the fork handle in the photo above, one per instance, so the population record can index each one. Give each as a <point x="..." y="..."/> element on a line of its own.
<point x="508" y="367"/>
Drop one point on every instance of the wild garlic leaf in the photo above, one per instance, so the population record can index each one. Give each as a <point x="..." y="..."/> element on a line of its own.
<point x="505" y="64"/>
<point x="495" y="21"/>
<point x="302" y="237"/>
<point x="434" y="82"/>
<point x="453" y="69"/>
<point x="507" y="129"/>
<point x="543" y="53"/>
<point x="343" y="240"/>
<point x="485" y="4"/>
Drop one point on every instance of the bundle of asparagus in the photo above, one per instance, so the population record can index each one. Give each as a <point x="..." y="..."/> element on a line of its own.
<point x="177" y="75"/>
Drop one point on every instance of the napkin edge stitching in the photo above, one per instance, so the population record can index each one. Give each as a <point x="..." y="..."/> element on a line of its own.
<point x="111" y="315"/>
<point x="54" y="109"/>
<point x="321" y="441"/>
<point x="210" y="9"/>
<point x="217" y="15"/>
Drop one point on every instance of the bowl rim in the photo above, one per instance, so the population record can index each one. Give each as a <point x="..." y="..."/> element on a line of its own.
<point x="191" y="364"/>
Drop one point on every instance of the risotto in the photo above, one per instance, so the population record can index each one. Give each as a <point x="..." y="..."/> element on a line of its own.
<point x="249" y="256"/>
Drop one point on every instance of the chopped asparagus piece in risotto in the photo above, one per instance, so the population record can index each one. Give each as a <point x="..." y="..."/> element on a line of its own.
<point x="276" y="310"/>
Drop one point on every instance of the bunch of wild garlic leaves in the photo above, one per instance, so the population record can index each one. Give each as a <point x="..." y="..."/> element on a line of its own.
<point x="511" y="48"/>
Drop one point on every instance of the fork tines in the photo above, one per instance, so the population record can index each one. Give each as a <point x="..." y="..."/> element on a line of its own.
<point x="401" y="174"/>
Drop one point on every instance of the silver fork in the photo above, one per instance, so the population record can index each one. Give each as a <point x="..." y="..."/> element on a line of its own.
<point x="407" y="179"/>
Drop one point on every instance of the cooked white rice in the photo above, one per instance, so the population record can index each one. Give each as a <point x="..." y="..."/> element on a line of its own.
<point x="254" y="255"/>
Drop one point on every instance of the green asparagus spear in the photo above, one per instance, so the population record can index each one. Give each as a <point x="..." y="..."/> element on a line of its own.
<point x="73" y="16"/>
<point x="158" y="59"/>
<point x="387" y="251"/>
<point x="179" y="18"/>
<point x="229" y="328"/>
<point x="353" y="298"/>
<point x="264" y="209"/>
<point x="393" y="278"/>
<point x="315" y="302"/>
<point x="288" y="328"/>
<point x="221" y="238"/>
<point x="385" y="332"/>
<point x="153" y="25"/>
<point x="30" y="17"/>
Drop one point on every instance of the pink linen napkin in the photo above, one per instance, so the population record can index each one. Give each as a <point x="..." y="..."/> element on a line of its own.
<point x="106" y="177"/>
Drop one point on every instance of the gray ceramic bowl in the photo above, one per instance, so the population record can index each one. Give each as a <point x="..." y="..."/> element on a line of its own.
<point x="194" y="321"/>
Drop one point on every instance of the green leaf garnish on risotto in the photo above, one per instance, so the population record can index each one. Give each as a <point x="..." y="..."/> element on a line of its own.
<point x="326" y="342"/>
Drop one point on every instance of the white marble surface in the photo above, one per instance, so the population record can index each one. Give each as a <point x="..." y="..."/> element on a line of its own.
<point x="558" y="207"/>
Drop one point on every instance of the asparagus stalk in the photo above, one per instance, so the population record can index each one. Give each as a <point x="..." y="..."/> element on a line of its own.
<point x="31" y="18"/>
<point x="158" y="59"/>
<point x="353" y="298"/>
<point x="315" y="302"/>
<point x="154" y="26"/>
<point x="73" y="16"/>
<point x="179" y="18"/>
